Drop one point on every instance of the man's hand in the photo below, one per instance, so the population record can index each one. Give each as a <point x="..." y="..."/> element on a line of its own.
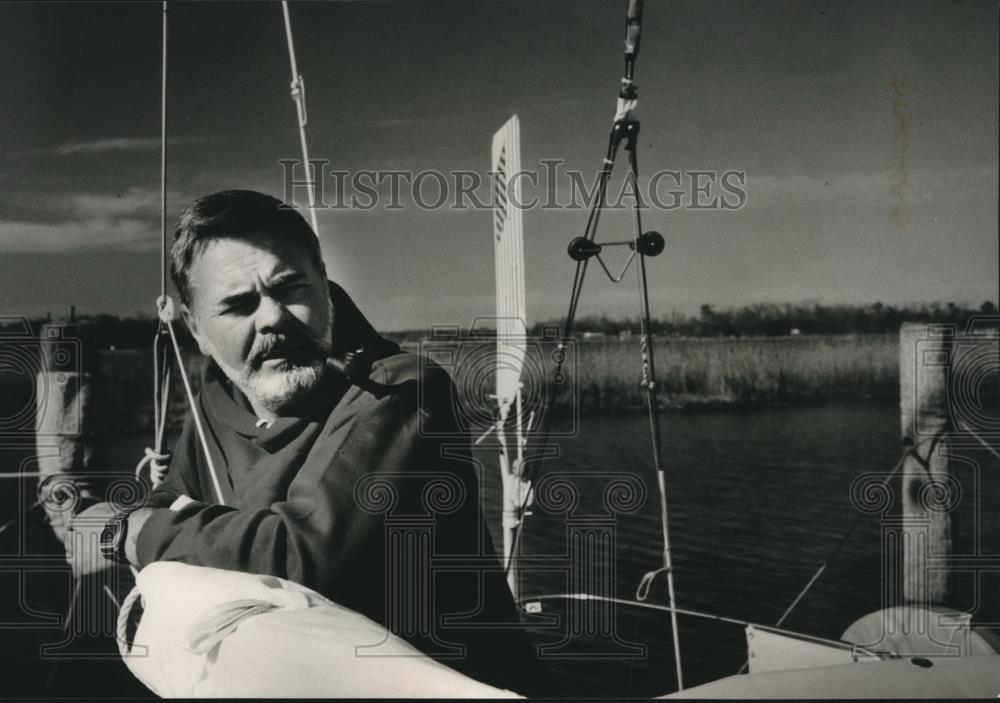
<point x="83" y="550"/>
<point x="83" y="544"/>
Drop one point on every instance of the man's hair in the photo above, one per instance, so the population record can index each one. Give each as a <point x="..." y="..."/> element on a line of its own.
<point x="234" y="214"/>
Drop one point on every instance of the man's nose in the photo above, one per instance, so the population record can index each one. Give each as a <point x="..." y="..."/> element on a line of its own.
<point x="270" y="314"/>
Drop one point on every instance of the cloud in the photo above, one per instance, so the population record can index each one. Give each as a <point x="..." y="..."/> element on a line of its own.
<point x="128" y="220"/>
<point x="103" y="146"/>
<point x="136" y="201"/>
<point x="116" y="145"/>
<point x="61" y="237"/>
<point x="924" y="185"/>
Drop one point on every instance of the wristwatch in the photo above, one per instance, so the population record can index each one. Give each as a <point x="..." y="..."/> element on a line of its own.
<point x="113" y="537"/>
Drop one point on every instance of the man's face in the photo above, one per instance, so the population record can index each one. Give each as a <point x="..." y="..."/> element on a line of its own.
<point x="260" y="308"/>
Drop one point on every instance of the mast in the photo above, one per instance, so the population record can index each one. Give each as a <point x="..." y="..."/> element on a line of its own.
<point x="511" y="342"/>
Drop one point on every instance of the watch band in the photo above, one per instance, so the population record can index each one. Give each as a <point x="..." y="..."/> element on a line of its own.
<point x="113" y="537"/>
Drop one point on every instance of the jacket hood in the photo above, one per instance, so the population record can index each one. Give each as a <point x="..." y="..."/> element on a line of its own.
<point x="352" y="330"/>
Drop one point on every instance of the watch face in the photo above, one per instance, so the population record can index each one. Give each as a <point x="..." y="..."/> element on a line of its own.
<point x="109" y="537"/>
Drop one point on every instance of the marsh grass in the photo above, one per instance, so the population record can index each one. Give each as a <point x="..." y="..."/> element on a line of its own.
<point x="737" y="370"/>
<point x="692" y="372"/>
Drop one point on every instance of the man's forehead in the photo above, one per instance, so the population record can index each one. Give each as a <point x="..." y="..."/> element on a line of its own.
<point x="221" y="265"/>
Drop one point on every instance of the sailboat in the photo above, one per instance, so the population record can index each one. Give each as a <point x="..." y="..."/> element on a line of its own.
<point x="207" y="632"/>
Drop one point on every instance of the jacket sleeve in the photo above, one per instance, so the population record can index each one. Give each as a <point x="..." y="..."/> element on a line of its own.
<point x="320" y="531"/>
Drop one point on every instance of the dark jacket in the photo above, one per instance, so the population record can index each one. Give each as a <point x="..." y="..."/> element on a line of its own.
<point x="359" y="498"/>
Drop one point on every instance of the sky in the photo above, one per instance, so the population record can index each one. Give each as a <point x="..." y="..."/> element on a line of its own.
<point x="867" y="133"/>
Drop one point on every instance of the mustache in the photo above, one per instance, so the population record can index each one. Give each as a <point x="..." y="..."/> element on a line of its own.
<point x="296" y="342"/>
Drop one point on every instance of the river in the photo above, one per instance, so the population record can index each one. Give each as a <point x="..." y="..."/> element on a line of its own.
<point x="758" y="499"/>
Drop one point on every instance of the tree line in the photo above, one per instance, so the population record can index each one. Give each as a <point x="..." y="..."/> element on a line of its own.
<point x="776" y="319"/>
<point x="756" y="320"/>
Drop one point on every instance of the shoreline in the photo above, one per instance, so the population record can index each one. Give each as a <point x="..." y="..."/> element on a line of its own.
<point x="602" y="376"/>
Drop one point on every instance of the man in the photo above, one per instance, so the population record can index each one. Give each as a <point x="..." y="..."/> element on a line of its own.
<point x="319" y="430"/>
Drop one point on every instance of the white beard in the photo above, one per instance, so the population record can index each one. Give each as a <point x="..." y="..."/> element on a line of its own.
<point x="277" y="387"/>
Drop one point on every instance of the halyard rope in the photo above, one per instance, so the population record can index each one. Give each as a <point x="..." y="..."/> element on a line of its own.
<point x="166" y="312"/>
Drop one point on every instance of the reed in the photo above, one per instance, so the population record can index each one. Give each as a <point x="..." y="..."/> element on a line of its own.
<point x="736" y="371"/>
<point x="605" y="376"/>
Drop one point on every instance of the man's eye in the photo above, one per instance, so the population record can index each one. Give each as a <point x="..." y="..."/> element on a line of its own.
<point x="292" y="288"/>
<point x="241" y="306"/>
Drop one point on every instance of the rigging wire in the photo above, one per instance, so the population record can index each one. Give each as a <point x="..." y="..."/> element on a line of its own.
<point x="167" y="316"/>
<point x="908" y="450"/>
<point x="158" y="457"/>
<point x="624" y="128"/>
<point x="649" y="383"/>
<point x="976" y="436"/>
<point x="163" y="156"/>
<point x="703" y="615"/>
<point x="298" y="93"/>
<point x="533" y="466"/>
<point x="165" y="312"/>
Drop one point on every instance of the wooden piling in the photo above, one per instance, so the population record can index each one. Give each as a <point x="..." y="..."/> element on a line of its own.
<point x="70" y="428"/>
<point x="925" y="352"/>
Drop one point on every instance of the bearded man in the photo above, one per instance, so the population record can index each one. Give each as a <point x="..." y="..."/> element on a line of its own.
<point x="303" y="404"/>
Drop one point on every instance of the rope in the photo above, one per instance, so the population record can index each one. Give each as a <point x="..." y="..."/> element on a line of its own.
<point x="77" y="584"/>
<point x="692" y="613"/>
<point x="965" y="428"/>
<point x="166" y="315"/>
<point x="165" y="310"/>
<point x="121" y="626"/>
<point x="908" y="451"/>
<point x="6" y="525"/>
<point x="163" y="454"/>
<point x="642" y="590"/>
<point x="111" y="595"/>
<point x="298" y="93"/>
<point x="158" y="456"/>
<point x="157" y="469"/>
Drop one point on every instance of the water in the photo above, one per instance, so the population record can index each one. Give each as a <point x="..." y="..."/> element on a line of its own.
<point x="758" y="498"/>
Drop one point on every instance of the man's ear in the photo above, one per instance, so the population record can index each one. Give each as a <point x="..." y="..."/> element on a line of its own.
<point x="192" y="326"/>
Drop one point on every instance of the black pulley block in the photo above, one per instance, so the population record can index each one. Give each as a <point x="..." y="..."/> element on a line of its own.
<point x="649" y="243"/>
<point x="581" y="249"/>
